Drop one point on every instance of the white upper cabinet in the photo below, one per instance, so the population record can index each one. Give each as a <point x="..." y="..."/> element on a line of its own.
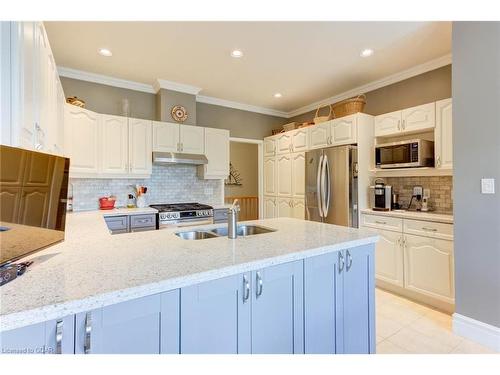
<point x="300" y="139"/>
<point x="139" y="147"/>
<point x="319" y="135"/>
<point x="270" y="146"/>
<point x="217" y="153"/>
<point x="443" y="136"/>
<point x="82" y="140"/>
<point x="114" y="144"/>
<point x="165" y="136"/>
<point x="35" y="92"/>
<point x="192" y="139"/>
<point x="285" y="175"/>
<point x="270" y="176"/>
<point x="418" y="118"/>
<point x="283" y="143"/>
<point x="388" y="124"/>
<point x="343" y="131"/>
<point x="298" y="174"/>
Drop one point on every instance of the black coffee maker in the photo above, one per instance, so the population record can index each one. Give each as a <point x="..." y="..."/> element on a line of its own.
<point x="382" y="196"/>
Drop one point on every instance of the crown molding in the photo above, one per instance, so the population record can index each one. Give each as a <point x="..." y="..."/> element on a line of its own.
<point x="104" y="80"/>
<point x="175" y="86"/>
<point x="405" y="74"/>
<point x="241" y="106"/>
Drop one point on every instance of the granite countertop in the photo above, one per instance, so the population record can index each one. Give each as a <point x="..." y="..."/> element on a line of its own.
<point x="93" y="268"/>
<point x="128" y="211"/>
<point x="416" y="215"/>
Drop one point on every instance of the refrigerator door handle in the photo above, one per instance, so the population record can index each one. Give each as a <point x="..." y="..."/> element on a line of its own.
<point x="328" y="190"/>
<point x="318" y="185"/>
<point x="323" y="186"/>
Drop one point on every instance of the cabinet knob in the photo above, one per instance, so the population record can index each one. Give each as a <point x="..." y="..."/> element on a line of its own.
<point x="88" y="333"/>
<point x="260" y="284"/>
<point x="246" y="288"/>
<point x="59" y="336"/>
<point x="341" y="262"/>
<point x="349" y="261"/>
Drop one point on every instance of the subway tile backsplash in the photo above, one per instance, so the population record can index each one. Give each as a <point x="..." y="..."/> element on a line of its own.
<point x="167" y="184"/>
<point x="441" y="187"/>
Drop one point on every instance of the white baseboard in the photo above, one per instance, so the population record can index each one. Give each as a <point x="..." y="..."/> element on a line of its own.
<point x="482" y="333"/>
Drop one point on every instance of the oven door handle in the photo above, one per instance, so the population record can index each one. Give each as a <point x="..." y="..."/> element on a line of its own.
<point x="186" y="224"/>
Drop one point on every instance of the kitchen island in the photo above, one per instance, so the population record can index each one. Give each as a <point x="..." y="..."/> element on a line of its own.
<point x="305" y="287"/>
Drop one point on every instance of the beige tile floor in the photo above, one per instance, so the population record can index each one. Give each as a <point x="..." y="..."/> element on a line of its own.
<point x="405" y="327"/>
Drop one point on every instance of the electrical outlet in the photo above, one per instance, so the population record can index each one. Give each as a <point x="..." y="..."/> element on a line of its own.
<point x="488" y="186"/>
<point x="418" y="190"/>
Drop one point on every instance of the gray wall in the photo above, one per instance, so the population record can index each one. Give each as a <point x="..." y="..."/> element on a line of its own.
<point x="241" y="124"/>
<point x="424" y="88"/>
<point x="108" y="99"/>
<point x="476" y="142"/>
<point x="245" y="159"/>
<point x="166" y="99"/>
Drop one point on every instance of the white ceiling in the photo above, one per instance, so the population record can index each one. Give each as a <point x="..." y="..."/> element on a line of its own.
<point x="305" y="61"/>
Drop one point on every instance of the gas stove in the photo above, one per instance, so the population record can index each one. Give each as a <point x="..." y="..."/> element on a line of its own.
<point x="183" y="214"/>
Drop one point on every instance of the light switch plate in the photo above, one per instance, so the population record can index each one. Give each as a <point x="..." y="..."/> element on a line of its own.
<point x="488" y="186"/>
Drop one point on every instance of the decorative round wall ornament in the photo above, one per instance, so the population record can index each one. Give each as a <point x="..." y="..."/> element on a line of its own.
<point x="179" y="113"/>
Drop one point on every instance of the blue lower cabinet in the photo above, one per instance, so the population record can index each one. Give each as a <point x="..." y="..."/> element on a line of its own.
<point x="277" y="309"/>
<point x="322" y="286"/>
<point x="51" y="337"/>
<point x="359" y="301"/>
<point x="339" y="310"/>
<point x="215" y="316"/>
<point x="131" y="327"/>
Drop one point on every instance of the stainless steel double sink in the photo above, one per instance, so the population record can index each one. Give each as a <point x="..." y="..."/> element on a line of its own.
<point x="243" y="230"/>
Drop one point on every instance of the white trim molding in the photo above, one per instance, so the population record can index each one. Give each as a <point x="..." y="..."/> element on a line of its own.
<point x="241" y="106"/>
<point x="475" y="330"/>
<point x="405" y="74"/>
<point x="104" y="80"/>
<point x="175" y="86"/>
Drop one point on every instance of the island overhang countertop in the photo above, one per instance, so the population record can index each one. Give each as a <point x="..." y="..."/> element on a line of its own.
<point x="93" y="269"/>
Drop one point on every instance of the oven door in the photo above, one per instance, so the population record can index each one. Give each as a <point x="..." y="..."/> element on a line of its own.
<point x="395" y="156"/>
<point x="185" y="223"/>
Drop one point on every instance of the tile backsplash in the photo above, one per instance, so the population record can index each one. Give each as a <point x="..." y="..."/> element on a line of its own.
<point x="441" y="187"/>
<point x="167" y="184"/>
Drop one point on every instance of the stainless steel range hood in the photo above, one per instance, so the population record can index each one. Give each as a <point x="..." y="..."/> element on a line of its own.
<point x="164" y="158"/>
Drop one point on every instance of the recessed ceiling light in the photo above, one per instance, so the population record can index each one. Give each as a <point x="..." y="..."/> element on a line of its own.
<point x="367" y="52"/>
<point x="236" y="53"/>
<point x="278" y="95"/>
<point x="105" y="52"/>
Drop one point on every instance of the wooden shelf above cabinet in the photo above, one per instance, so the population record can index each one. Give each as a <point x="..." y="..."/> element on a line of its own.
<point x="411" y="172"/>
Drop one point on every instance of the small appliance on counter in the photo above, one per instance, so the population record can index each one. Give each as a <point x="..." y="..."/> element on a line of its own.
<point x="107" y="203"/>
<point x="395" y="202"/>
<point x="381" y="196"/>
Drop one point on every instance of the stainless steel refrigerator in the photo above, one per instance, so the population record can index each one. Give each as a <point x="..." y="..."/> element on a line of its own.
<point x="332" y="185"/>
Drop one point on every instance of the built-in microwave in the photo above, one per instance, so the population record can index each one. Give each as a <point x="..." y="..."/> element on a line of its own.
<point x="405" y="154"/>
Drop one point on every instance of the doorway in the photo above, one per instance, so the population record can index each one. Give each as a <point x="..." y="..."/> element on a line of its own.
<point x="245" y="177"/>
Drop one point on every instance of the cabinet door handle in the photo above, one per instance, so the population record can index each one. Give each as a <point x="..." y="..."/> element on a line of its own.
<point x="349" y="261"/>
<point x="438" y="161"/>
<point x="399" y="124"/>
<point x="380" y="222"/>
<point x="404" y="126"/>
<point x="38" y="146"/>
<point x="260" y="283"/>
<point x="341" y="262"/>
<point x="429" y="229"/>
<point x="59" y="336"/>
<point x="246" y="288"/>
<point x="88" y="333"/>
